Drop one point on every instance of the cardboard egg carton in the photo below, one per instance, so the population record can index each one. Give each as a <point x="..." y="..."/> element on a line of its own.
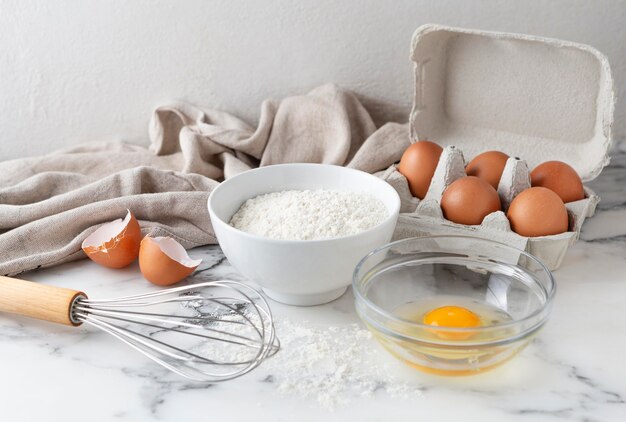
<point x="530" y="97"/>
<point x="423" y="217"/>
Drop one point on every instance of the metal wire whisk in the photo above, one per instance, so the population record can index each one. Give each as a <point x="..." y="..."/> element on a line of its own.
<point x="213" y="331"/>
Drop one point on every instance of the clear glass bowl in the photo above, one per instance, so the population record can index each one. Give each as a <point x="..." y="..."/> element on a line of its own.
<point x="398" y="284"/>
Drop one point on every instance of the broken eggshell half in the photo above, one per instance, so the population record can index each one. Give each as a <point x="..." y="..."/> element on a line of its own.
<point x="163" y="261"/>
<point x="114" y="244"/>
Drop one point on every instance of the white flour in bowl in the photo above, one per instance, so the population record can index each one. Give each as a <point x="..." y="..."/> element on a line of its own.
<point x="309" y="214"/>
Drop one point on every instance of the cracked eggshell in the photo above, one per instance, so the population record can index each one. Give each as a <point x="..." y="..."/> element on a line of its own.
<point x="114" y="244"/>
<point x="163" y="261"/>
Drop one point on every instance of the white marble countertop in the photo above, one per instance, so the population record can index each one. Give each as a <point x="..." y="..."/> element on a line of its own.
<point x="574" y="370"/>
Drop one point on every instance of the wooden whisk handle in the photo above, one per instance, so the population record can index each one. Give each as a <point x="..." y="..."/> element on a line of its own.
<point x="35" y="300"/>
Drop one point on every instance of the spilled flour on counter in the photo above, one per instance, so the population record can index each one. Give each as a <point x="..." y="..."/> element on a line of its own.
<point x="332" y="365"/>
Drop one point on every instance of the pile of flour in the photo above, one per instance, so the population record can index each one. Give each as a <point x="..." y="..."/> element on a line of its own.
<point x="309" y="214"/>
<point x="332" y="365"/>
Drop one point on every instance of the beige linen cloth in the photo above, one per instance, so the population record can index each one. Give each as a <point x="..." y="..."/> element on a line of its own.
<point x="49" y="204"/>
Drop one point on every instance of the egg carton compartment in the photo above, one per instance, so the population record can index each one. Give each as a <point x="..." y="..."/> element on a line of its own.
<point x="425" y="217"/>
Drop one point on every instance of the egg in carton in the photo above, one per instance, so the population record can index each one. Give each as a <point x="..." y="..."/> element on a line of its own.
<point x="530" y="97"/>
<point x="425" y="217"/>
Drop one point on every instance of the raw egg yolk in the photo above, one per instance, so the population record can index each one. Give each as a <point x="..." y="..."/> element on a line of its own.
<point x="453" y="317"/>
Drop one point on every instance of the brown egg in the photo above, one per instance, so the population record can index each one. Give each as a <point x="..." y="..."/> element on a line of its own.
<point x="418" y="164"/>
<point x="469" y="200"/>
<point x="163" y="261"/>
<point x="537" y="212"/>
<point x="114" y="244"/>
<point x="488" y="166"/>
<point x="559" y="178"/>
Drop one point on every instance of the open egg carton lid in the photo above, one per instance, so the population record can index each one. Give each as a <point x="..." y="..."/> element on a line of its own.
<point x="530" y="97"/>
<point x="536" y="98"/>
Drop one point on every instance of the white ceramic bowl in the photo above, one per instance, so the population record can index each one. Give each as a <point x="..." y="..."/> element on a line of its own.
<point x="299" y="272"/>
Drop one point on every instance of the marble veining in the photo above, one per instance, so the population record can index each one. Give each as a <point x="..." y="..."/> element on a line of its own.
<point x="572" y="371"/>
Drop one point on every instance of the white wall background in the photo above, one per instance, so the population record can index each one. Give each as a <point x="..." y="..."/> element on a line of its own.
<point x="80" y="70"/>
